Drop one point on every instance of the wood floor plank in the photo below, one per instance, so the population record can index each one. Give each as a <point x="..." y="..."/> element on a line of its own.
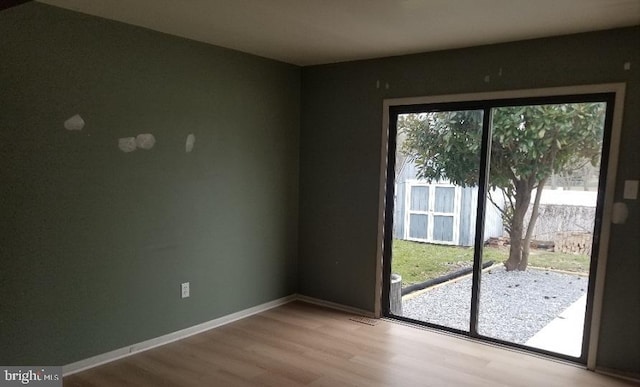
<point x="300" y="344"/>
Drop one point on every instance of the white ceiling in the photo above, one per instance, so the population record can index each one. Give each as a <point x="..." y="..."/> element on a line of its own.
<point x="307" y="32"/>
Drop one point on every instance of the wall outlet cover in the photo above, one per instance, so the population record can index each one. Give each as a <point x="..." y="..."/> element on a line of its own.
<point x="185" y="291"/>
<point x="630" y="189"/>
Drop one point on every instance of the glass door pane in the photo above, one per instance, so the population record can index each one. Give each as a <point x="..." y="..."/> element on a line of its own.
<point x="434" y="216"/>
<point x="543" y="190"/>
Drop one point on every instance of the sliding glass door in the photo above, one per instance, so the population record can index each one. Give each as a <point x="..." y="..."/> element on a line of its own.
<point x="544" y="178"/>
<point x="492" y="217"/>
<point x="435" y="213"/>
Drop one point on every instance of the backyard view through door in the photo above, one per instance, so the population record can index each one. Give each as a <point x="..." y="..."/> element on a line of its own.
<point x="434" y="218"/>
<point x="531" y="173"/>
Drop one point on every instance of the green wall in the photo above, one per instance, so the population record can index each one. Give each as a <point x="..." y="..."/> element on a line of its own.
<point x="340" y="146"/>
<point x="94" y="242"/>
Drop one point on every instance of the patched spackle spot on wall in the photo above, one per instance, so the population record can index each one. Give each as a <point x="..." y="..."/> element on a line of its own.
<point x="191" y="140"/>
<point x="74" y="123"/>
<point x="627" y="66"/>
<point x="127" y="144"/>
<point x="145" y="141"/>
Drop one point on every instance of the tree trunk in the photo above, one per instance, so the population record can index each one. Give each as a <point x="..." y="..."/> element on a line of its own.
<point x="523" y="198"/>
<point x="524" y="260"/>
<point x="515" y="249"/>
<point x="526" y="243"/>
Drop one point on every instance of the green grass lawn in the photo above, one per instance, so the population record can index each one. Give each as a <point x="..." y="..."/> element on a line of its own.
<point x="418" y="262"/>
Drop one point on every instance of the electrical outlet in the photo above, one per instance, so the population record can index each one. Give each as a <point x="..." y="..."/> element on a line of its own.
<point x="185" y="290"/>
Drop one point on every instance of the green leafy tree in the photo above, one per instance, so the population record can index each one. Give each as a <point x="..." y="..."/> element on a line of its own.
<point x="529" y="143"/>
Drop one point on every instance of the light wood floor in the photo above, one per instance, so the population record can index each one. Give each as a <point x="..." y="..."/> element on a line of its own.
<point x="299" y="344"/>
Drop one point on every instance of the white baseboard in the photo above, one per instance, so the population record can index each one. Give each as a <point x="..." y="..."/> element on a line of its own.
<point x="333" y="305"/>
<point x="168" y="338"/>
<point x="120" y="353"/>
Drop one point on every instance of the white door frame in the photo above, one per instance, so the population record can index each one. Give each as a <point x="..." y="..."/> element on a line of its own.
<point x="609" y="193"/>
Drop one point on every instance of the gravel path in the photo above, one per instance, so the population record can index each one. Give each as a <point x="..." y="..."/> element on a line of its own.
<point x="514" y="306"/>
